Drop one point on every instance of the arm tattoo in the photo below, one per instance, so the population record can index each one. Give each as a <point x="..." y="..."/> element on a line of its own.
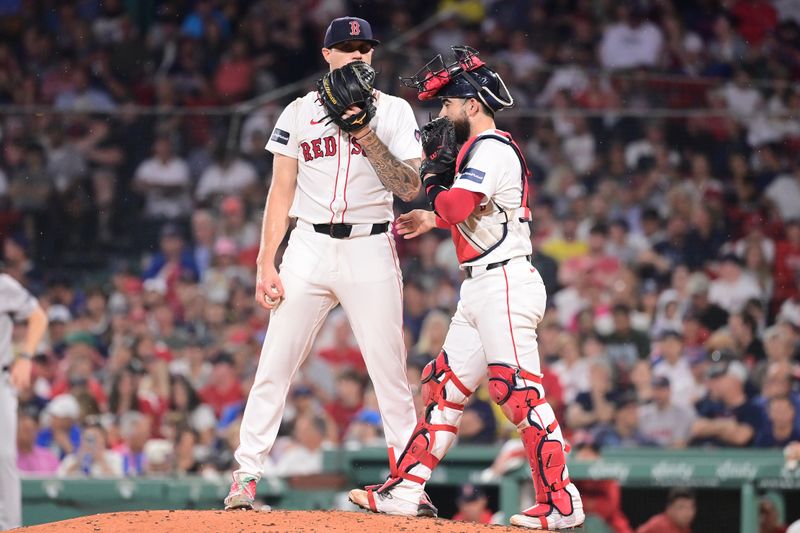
<point x="400" y="177"/>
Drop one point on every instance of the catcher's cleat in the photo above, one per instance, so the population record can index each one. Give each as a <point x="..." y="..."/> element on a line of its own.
<point x="382" y="502"/>
<point x="242" y="494"/>
<point x="547" y="517"/>
<point x="426" y="507"/>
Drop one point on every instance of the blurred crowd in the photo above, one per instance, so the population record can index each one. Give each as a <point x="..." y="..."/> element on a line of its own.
<point x="669" y="244"/>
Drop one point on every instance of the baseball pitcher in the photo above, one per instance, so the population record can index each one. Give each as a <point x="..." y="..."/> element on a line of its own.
<point x="340" y="153"/>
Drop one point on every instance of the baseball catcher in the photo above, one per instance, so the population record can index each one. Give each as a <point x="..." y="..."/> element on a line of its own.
<point x="476" y="180"/>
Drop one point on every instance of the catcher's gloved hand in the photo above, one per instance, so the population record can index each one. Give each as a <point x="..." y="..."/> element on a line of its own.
<point x="343" y="87"/>
<point x="435" y="184"/>
<point x="441" y="150"/>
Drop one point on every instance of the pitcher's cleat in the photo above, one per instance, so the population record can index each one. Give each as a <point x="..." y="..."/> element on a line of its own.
<point x="242" y="494"/>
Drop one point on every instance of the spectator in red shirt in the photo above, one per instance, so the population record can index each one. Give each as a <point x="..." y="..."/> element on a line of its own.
<point x="349" y="400"/>
<point x="677" y="517"/>
<point x="787" y="263"/>
<point x="473" y="506"/>
<point x="601" y="497"/>
<point x="224" y="387"/>
<point x="754" y="19"/>
<point x="234" y="77"/>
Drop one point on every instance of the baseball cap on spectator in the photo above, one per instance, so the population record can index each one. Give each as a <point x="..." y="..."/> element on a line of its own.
<point x="132" y="285"/>
<point x="158" y="451"/>
<point x="81" y="337"/>
<point x="64" y="406"/>
<point x="731" y="258"/>
<point x="721" y="355"/>
<point x="369" y="416"/>
<point x="626" y="399"/>
<point x="728" y="368"/>
<point x="58" y="313"/>
<point x="697" y="284"/>
<point x="660" y="381"/>
<point x="171" y="230"/>
<point x="669" y="334"/>
<point x="156" y="285"/>
<point x="302" y="390"/>
<point x="222" y="358"/>
<point x="231" y="205"/>
<point x="349" y="29"/>
<point x="470" y="493"/>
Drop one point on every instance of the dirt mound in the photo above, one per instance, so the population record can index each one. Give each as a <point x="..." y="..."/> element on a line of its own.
<point x="256" y="522"/>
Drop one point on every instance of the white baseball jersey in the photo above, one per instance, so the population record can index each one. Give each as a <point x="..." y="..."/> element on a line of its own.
<point x="335" y="181"/>
<point x="493" y="232"/>
<point x="335" y="184"/>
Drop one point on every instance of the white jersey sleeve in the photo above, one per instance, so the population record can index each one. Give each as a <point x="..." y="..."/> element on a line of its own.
<point x="405" y="142"/>
<point x="283" y="140"/>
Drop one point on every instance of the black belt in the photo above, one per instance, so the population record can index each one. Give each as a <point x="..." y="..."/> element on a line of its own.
<point x="342" y="231"/>
<point x="490" y="266"/>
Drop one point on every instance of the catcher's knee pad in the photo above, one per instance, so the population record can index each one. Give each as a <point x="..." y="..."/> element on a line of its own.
<point x="441" y="386"/>
<point x="509" y="390"/>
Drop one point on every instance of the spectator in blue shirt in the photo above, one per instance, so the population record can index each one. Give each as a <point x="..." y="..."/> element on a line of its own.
<point x="781" y="428"/>
<point x="63" y="435"/>
<point x="730" y="418"/>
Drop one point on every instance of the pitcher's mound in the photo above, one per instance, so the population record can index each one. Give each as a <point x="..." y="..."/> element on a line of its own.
<point x="257" y="522"/>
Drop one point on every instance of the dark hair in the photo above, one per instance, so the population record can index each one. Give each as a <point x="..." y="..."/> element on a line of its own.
<point x="678" y="493"/>
<point x="599" y="229"/>
<point x="351" y="375"/>
<point x="115" y="398"/>
<point x="651" y="214"/>
<point x="620" y="308"/>
<point x="749" y="321"/>
<point x="193" y="399"/>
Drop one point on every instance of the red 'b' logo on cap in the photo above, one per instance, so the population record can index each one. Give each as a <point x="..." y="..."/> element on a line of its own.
<point x="355" y="27"/>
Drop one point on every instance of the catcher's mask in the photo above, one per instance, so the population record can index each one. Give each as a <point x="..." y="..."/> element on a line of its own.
<point x="466" y="77"/>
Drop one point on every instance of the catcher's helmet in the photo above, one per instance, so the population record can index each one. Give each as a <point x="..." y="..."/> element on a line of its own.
<point x="466" y="77"/>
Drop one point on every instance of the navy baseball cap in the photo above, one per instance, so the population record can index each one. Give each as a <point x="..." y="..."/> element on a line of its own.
<point x="348" y="29"/>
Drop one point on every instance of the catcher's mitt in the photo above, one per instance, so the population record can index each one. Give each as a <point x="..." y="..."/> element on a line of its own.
<point x="441" y="150"/>
<point x="343" y="87"/>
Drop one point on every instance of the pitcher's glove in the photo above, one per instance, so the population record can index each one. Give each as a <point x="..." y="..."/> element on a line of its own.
<point x="343" y="87"/>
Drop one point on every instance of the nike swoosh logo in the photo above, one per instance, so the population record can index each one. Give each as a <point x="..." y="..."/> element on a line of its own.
<point x="315" y="122"/>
